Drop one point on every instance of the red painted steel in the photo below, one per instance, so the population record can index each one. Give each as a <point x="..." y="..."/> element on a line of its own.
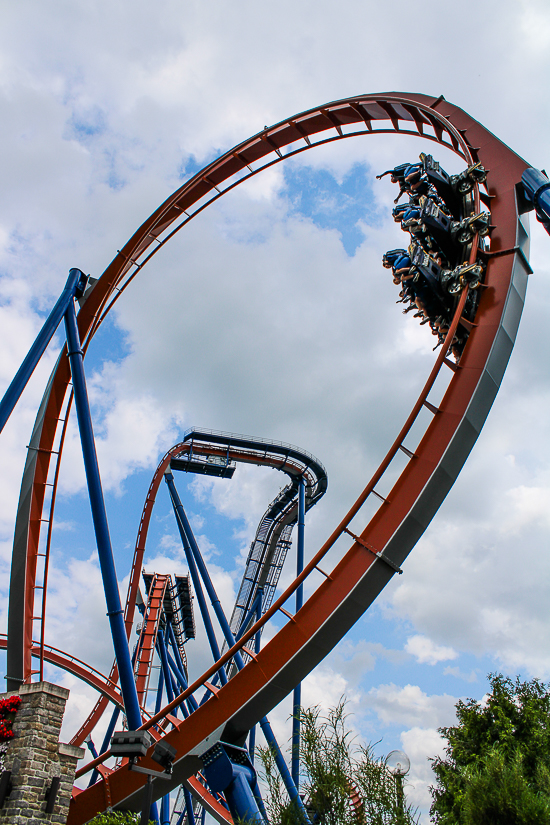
<point x="208" y="801"/>
<point x="148" y="635"/>
<point x="435" y="120"/>
<point x="77" y="667"/>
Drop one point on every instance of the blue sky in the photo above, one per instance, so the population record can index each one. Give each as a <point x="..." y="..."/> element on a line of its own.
<point x="272" y="316"/>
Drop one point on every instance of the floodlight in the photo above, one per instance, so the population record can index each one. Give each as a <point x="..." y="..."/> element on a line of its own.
<point x="131" y="743"/>
<point x="164" y="754"/>
<point x="398" y="763"/>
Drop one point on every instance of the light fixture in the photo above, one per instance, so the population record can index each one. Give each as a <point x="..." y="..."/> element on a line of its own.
<point x="398" y="763"/>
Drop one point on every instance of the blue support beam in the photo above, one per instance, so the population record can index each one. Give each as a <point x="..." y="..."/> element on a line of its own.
<point x="176" y="651"/>
<point x="161" y="648"/>
<point x="189" y="807"/>
<point x="165" y="810"/>
<point x="75" y="283"/>
<point x="189" y="542"/>
<point x="297" y="697"/>
<point x="106" y="742"/>
<point x="160" y="688"/>
<point x="91" y="747"/>
<point x="228" y="769"/>
<point x="286" y="776"/>
<point x="101" y="528"/>
<point x="178" y="509"/>
<point x="174" y="686"/>
<point x="178" y="668"/>
<point x="182" y="682"/>
<point x="257" y="608"/>
<point x="205" y="576"/>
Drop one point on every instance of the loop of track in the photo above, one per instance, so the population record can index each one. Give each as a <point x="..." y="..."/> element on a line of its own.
<point x="406" y="511"/>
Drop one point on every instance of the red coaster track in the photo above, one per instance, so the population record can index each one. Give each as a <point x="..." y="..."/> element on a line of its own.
<point x="345" y="592"/>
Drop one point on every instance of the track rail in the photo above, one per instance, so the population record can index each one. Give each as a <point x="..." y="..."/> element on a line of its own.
<point x="277" y="455"/>
<point x="77" y="667"/>
<point x="404" y="513"/>
<point x="148" y="636"/>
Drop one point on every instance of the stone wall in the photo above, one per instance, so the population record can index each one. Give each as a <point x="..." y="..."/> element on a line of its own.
<point x="35" y="756"/>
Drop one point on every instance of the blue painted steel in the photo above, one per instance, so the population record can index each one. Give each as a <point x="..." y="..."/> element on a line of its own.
<point x="165" y="810"/>
<point x="110" y="730"/>
<point x="297" y="696"/>
<point x="106" y="741"/>
<point x="228" y="769"/>
<point x="286" y="776"/>
<point x="176" y="651"/>
<point x="241" y="798"/>
<point x="257" y="606"/>
<point x="161" y="647"/>
<point x="154" y="814"/>
<point x="205" y="576"/>
<point x="178" y="509"/>
<point x="184" y="525"/>
<point x="252" y="735"/>
<point x="537" y="191"/>
<point x="189" y="807"/>
<point x="175" y="693"/>
<point x="172" y="688"/>
<point x="255" y="610"/>
<point x="92" y="748"/>
<point x="179" y="678"/>
<point x="12" y="395"/>
<point x="178" y="668"/>
<point x="160" y="688"/>
<point x="99" y="516"/>
<point x="176" y="672"/>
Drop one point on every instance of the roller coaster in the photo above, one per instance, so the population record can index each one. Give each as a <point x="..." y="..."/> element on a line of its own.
<point x="203" y="725"/>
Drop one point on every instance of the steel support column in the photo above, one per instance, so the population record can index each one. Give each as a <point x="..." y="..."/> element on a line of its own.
<point x="286" y="776"/>
<point x="101" y="528"/>
<point x="297" y="697"/>
<point x="205" y="575"/>
<point x="75" y="281"/>
<point x="181" y="519"/>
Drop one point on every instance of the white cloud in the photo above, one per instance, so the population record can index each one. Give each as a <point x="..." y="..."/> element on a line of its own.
<point x="427" y="652"/>
<point x="409" y="706"/>
<point x="458" y="673"/>
<point x="421" y="745"/>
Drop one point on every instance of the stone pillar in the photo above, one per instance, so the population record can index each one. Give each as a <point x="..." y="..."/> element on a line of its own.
<point x="35" y="757"/>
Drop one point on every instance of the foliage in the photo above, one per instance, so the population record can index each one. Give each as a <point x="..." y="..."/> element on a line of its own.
<point x="117" y="818"/>
<point x="10" y="705"/>
<point x="497" y="791"/>
<point x="497" y="764"/>
<point x="8" y="709"/>
<point x="343" y="783"/>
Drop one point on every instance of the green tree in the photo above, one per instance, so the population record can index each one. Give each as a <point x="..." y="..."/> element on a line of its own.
<point x="343" y="783"/>
<point x="111" y="817"/>
<point x="497" y="764"/>
<point x="497" y="791"/>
